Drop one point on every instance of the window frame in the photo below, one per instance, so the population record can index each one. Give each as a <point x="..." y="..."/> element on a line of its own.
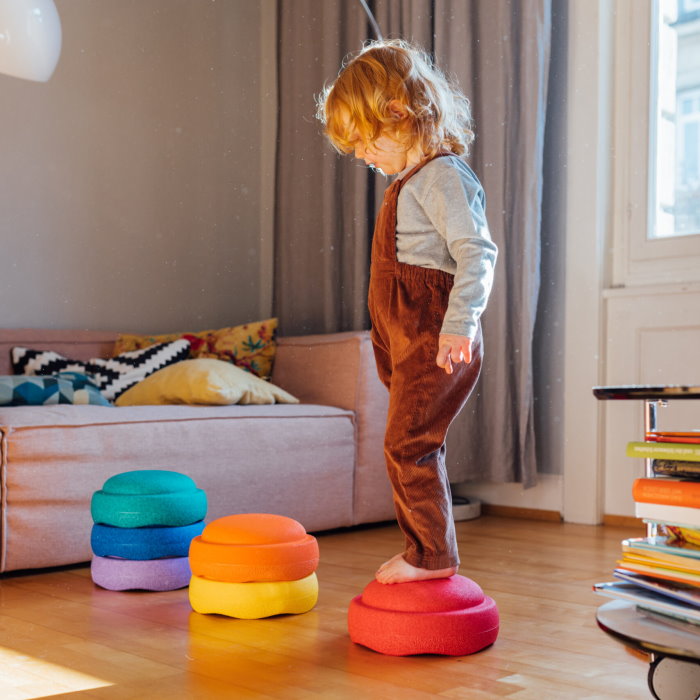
<point x="637" y="258"/>
<point x="693" y="118"/>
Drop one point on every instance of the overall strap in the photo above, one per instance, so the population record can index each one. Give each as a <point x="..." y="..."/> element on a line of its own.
<point x="384" y="240"/>
<point x="421" y="165"/>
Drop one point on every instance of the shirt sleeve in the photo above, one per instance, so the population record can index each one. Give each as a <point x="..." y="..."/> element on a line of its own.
<point x="455" y="205"/>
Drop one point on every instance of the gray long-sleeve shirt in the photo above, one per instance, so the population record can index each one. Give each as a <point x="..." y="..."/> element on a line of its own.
<point x="441" y="223"/>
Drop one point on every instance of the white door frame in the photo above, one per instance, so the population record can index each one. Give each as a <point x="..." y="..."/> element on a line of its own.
<point x="588" y="207"/>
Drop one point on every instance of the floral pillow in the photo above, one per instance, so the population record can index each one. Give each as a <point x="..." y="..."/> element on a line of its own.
<point x="251" y="346"/>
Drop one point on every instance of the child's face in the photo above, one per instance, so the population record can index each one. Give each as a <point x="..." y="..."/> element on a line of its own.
<point x="385" y="154"/>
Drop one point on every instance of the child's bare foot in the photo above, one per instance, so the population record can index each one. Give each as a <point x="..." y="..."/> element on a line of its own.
<point x="398" y="570"/>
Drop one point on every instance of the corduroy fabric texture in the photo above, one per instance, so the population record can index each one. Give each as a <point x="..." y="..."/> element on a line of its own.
<point x="407" y="304"/>
<point x="449" y="616"/>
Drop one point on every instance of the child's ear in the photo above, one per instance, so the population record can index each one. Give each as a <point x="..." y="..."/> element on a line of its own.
<point x="397" y="110"/>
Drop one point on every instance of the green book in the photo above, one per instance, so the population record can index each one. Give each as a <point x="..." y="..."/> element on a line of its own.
<point x="683" y="451"/>
<point x="662" y="548"/>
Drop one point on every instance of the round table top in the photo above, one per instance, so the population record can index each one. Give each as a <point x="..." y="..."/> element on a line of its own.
<point x="647" y="391"/>
<point x="649" y="631"/>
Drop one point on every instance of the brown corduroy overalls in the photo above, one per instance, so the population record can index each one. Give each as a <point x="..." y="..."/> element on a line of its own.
<point x="407" y="304"/>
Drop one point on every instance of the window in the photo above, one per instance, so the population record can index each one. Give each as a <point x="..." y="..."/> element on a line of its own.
<point x="689" y="6"/>
<point x="677" y="119"/>
<point x="656" y="143"/>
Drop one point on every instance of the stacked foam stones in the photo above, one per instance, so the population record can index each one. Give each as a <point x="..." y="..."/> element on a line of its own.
<point x="144" y="521"/>
<point x="253" y="565"/>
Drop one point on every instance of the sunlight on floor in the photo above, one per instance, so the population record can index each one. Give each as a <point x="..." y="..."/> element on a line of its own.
<point x="24" y="677"/>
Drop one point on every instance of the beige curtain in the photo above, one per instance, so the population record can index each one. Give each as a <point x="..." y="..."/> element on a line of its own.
<point x="499" y="52"/>
<point x="324" y="206"/>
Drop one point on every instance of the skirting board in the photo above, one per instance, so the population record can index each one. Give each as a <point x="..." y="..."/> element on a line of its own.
<point x="512" y="500"/>
<point x="628" y="521"/>
<point x="521" y="513"/>
<point x="542" y="502"/>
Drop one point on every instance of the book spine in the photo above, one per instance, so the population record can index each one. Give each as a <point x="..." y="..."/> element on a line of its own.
<point x="670" y="492"/>
<point x="659" y="436"/>
<point x="673" y="467"/>
<point x="664" y="450"/>
<point x="682" y="516"/>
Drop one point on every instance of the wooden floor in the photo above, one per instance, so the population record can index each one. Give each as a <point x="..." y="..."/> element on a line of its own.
<point x="62" y="637"/>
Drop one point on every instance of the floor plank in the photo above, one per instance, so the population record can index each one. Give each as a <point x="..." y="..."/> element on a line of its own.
<point x="63" y="637"/>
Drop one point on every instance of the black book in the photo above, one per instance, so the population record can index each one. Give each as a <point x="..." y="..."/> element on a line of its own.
<point x="673" y="467"/>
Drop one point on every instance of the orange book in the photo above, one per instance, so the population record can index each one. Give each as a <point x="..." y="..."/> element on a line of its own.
<point x="670" y="492"/>
<point x="658" y="572"/>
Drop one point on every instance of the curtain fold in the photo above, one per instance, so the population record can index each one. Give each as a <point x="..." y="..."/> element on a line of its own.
<point x="499" y="53"/>
<point x="324" y="208"/>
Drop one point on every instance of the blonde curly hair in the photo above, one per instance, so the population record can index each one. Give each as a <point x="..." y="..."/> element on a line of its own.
<point x="359" y="101"/>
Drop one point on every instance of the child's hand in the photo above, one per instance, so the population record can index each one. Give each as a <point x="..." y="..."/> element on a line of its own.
<point x="453" y="348"/>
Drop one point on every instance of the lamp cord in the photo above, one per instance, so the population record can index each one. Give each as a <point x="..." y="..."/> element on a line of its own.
<point x="372" y="20"/>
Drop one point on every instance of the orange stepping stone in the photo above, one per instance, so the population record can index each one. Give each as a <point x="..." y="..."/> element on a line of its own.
<point x="251" y="547"/>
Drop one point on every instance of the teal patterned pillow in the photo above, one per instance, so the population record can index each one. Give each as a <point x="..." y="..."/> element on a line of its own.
<point x="64" y="387"/>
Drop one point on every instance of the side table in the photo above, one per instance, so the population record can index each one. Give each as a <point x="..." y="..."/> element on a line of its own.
<point x="674" y="646"/>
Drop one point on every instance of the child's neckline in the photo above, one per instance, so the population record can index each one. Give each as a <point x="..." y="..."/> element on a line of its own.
<point x="409" y="168"/>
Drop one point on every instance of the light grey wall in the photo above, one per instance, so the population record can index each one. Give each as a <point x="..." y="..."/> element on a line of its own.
<point x="129" y="183"/>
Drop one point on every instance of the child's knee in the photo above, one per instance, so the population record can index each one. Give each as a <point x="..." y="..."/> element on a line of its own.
<point x="422" y="451"/>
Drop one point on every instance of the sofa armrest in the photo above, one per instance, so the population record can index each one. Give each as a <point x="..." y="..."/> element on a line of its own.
<point x="338" y="369"/>
<point x="76" y="344"/>
<point x="326" y="369"/>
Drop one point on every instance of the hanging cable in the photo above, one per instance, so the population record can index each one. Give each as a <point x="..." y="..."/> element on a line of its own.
<point x="372" y="20"/>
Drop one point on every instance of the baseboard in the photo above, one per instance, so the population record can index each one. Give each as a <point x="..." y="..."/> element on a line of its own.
<point x="546" y="496"/>
<point x="522" y="513"/>
<point x="624" y="521"/>
<point x="627" y="521"/>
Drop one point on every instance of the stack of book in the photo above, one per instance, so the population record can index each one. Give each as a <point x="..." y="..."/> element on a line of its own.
<point x="661" y="574"/>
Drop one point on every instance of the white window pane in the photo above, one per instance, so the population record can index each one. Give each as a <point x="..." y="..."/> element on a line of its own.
<point x="668" y="61"/>
<point x="690" y="5"/>
<point x="689" y="156"/>
<point x="665" y="223"/>
<point x="676" y="137"/>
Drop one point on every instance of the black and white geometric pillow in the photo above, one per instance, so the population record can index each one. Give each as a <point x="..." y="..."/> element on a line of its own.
<point x="114" y="375"/>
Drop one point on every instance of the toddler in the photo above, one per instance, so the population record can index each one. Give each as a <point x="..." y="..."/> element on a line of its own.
<point x="430" y="277"/>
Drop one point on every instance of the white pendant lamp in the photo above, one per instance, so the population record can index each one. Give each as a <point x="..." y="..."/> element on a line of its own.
<point x="30" y="38"/>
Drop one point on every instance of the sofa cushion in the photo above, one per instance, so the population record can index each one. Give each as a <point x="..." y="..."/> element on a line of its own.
<point x="250" y="346"/>
<point x="203" y="382"/>
<point x="65" y="387"/>
<point x="296" y="460"/>
<point x="113" y="376"/>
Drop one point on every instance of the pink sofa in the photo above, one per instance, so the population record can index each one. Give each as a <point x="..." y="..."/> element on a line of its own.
<point x="320" y="461"/>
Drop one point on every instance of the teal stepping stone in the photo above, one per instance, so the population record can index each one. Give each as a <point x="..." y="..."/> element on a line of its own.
<point x="148" y="498"/>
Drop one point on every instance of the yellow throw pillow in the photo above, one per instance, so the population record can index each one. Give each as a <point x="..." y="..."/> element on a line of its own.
<point x="251" y="345"/>
<point x="203" y="382"/>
